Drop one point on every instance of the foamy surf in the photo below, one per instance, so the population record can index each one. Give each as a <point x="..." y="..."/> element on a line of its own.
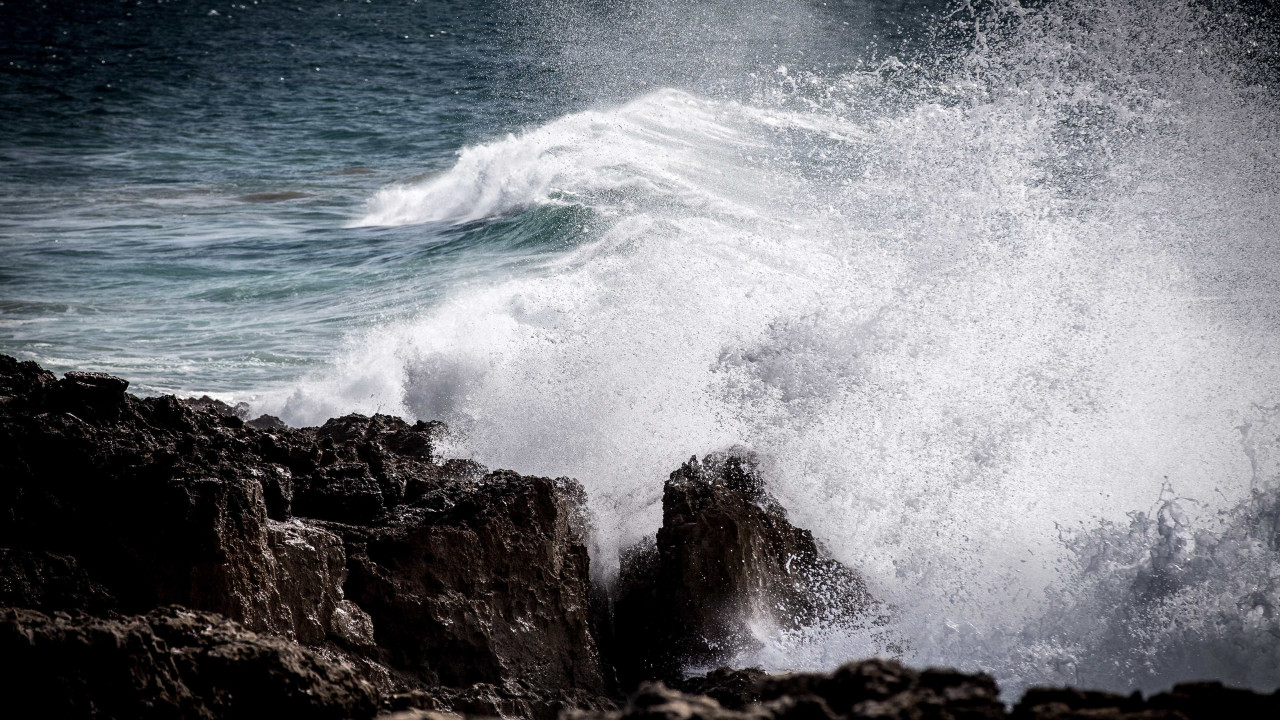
<point x="963" y="317"/>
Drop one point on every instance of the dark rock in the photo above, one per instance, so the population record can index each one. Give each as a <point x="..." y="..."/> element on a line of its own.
<point x="1204" y="700"/>
<point x="47" y="582"/>
<point x="170" y="663"/>
<point x="344" y="492"/>
<point x="870" y="689"/>
<point x="888" y="689"/>
<point x="157" y="501"/>
<point x="266" y="422"/>
<point x="1062" y="702"/>
<point x="482" y="582"/>
<point x="733" y="689"/>
<point x="310" y="569"/>
<point x="152" y="503"/>
<point x="513" y="700"/>
<point x="725" y="555"/>
<point x="217" y="407"/>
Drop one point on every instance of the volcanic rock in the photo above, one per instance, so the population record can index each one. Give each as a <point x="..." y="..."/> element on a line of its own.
<point x="109" y="502"/>
<point x="726" y="557"/>
<point x="870" y="689"/>
<point x="170" y="663"/>
<point x="482" y="581"/>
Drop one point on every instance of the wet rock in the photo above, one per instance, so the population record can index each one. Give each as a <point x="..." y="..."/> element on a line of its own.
<point x="205" y="403"/>
<point x="481" y="578"/>
<point x="655" y="701"/>
<point x="512" y="700"/>
<point x="733" y="689"/>
<point x="152" y="503"/>
<point x="870" y="689"/>
<point x="170" y="663"/>
<point x="726" y="556"/>
<point x="482" y="581"/>
<point x="266" y="422"/>
<point x="888" y="689"/>
<point x="310" y="569"/>
<point x="47" y="582"/>
<point x="1203" y="700"/>
<point x="885" y="689"/>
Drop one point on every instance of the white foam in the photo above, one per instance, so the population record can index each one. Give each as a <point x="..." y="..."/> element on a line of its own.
<point x="952" y="325"/>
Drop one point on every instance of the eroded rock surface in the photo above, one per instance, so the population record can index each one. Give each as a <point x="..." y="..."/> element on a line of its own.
<point x="725" y="557"/>
<point x="169" y="663"/>
<point x="337" y="570"/>
<point x="869" y="689"/>
<point x="888" y="690"/>
<point x="478" y="581"/>
<point x="483" y="580"/>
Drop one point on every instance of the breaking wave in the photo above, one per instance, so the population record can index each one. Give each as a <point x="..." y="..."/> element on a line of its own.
<point x="1002" y="319"/>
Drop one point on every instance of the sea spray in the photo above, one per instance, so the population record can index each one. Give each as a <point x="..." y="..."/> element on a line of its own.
<point x="979" y="310"/>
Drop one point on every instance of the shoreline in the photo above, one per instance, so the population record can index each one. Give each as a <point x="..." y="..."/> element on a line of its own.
<point x="168" y="558"/>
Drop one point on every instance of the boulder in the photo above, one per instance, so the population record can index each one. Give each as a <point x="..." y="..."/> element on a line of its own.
<point x="871" y="689"/>
<point x="472" y="578"/>
<point x="169" y="663"/>
<point x="886" y="689"/>
<point x="726" y="558"/>
<point x="482" y="581"/>
<point x="107" y="500"/>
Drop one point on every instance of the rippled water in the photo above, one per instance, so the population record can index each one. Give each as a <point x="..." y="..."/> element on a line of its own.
<point x="993" y="290"/>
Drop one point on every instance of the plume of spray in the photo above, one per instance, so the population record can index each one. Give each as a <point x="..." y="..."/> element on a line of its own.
<point x="979" y="304"/>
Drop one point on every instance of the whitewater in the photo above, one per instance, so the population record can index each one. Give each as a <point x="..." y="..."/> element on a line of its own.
<point x="1003" y="330"/>
<point x="998" y="309"/>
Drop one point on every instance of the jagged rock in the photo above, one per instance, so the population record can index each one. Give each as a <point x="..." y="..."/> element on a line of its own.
<point x="871" y="689"/>
<point x="485" y="700"/>
<point x="725" y="557"/>
<point x="733" y="689"/>
<point x="47" y="582"/>
<point x="152" y="503"/>
<point x="655" y="701"/>
<point x="311" y="567"/>
<point x="887" y="689"/>
<point x="170" y="663"/>
<point x="482" y="581"/>
<point x="217" y="407"/>
<point x="1189" y="701"/>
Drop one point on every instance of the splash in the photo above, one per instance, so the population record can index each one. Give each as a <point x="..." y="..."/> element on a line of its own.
<point x="960" y="302"/>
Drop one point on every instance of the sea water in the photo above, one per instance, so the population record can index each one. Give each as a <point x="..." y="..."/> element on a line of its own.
<point x="992" y="289"/>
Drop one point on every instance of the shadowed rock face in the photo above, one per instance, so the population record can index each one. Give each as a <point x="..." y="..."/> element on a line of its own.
<point x="365" y="569"/>
<point x="869" y="689"/>
<point x="170" y="663"/>
<point x="887" y="690"/>
<point x="483" y="581"/>
<point x="111" y="502"/>
<point x="144" y="503"/>
<point x="725" y="557"/>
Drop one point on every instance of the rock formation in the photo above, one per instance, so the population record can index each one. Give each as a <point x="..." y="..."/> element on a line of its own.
<point x="166" y="558"/>
<point x="725" y="558"/>
<point x="887" y="690"/>
<point x="439" y="581"/>
<point x="169" y="663"/>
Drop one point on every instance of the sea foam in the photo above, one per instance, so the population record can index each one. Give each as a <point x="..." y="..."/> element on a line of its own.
<point x="971" y="318"/>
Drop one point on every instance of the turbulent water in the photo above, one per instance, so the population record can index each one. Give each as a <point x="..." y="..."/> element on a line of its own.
<point x="993" y="290"/>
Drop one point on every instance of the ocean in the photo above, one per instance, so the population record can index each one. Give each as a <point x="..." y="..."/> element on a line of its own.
<point x="992" y="289"/>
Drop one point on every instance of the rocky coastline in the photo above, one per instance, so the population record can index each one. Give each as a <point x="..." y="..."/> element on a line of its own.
<point x="171" y="558"/>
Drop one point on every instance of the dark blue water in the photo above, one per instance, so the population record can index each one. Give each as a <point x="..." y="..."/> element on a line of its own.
<point x="175" y="177"/>
<point x="991" y="287"/>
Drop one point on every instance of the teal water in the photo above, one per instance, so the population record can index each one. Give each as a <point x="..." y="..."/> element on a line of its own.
<point x="991" y="288"/>
<point x="176" y="178"/>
